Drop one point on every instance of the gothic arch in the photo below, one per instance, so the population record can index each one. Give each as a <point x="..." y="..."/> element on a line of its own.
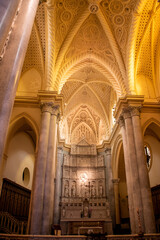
<point x="22" y="118"/>
<point x="149" y="122"/>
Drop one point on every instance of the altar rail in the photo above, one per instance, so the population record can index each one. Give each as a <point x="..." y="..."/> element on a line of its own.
<point x="40" y="237"/>
<point x="65" y="237"/>
<point x="134" y="237"/>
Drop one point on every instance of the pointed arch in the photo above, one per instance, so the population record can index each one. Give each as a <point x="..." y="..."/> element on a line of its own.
<point x="19" y="121"/>
<point x="149" y="122"/>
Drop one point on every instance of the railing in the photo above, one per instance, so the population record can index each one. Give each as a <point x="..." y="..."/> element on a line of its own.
<point x="40" y="237"/>
<point x="134" y="237"/>
<point x="78" y="237"/>
<point x="9" y="224"/>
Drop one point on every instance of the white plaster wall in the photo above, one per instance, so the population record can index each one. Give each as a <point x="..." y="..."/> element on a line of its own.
<point x="20" y="156"/>
<point x="154" y="172"/>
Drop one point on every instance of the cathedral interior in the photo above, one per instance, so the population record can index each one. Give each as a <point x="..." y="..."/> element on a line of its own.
<point x="79" y="117"/>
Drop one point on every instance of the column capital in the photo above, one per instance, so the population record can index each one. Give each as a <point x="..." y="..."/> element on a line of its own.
<point x="56" y="112"/>
<point x="107" y="151"/>
<point x="59" y="150"/>
<point x="116" y="181"/>
<point x="135" y="111"/>
<point x="46" y="107"/>
<point x="126" y="113"/>
<point x="121" y="121"/>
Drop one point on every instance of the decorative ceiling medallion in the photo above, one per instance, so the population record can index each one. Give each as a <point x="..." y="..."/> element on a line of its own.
<point x="93" y="8"/>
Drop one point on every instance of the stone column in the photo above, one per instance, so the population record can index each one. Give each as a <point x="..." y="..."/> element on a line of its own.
<point x="58" y="186"/>
<point x="50" y="174"/>
<point x="12" y="62"/>
<point x="149" y="219"/>
<point x="137" y="200"/>
<point x="8" y="10"/>
<point x="109" y="183"/>
<point x="40" y="170"/>
<point x="128" y="175"/>
<point x="116" y="193"/>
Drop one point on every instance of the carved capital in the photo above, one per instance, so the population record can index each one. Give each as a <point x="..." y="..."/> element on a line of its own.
<point x="60" y="150"/>
<point x="126" y="113"/>
<point x="55" y="110"/>
<point x="108" y="151"/>
<point x="116" y="181"/>
<point x="46" y="107"/>
<point x="121" y="121"/>
<point x="135" y="111"/>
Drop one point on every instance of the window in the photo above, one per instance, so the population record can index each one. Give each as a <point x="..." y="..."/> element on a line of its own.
<point x="147" y="152"/>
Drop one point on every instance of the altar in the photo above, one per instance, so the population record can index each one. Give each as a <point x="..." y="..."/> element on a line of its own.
<point x="84" y="205"/>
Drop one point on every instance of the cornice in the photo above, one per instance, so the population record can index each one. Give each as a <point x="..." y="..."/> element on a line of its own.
<point x="128" y="101"/>
<point x="42" y="97"/>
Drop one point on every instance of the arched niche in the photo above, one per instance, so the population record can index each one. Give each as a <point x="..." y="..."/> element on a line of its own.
<point x="120" y="188"/>
<point x="123" y="194"/>
<point x="18" y="164"/>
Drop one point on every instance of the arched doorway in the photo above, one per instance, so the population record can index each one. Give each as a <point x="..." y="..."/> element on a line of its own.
<point x="17" y="175"/>
<point x="152" y="151"/>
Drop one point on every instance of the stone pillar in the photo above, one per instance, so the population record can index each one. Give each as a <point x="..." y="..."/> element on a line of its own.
<point x="116" y="193"/>
<point x="40" y="170"/>
<point x="128" y="175"/>
<point x="109" y="183"/>
<point x="8" y="10"/>
<point x="137" y="199"/>
<point x="149" y="219"/>
<point x="12" y="62"/>
<point x="50" y="174"/>
<point x="58" y="186"/>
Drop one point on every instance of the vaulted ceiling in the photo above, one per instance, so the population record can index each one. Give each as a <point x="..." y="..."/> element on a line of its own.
<point x="92" y="52"/>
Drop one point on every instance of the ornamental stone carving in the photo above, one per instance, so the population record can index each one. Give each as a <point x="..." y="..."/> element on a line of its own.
<point x="121" y="121"/>
<point x="46" y="107"/>
<point x="83" y="193"/>
<point x="126" y="113"/>
<point x="93" y="8"/>
<point x="135" y="111"/>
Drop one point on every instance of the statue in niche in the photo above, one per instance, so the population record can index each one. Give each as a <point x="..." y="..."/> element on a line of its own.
<point x="86" y="211"/>
<point x="100" y="191"/>
<point x="66" y="191"/>
<point x="93" y="191"/>
<point x="73" y="189"/>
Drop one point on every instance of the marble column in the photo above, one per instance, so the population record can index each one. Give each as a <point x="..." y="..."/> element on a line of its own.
<point x="116" y="193"/>
<point x="50" y="174"/>
<point x="149" y="219"/>
<point x="109" y="183"/>
<point x="8" y="10"/>
<point x="58" y="186"/>
<point x="12" y="62"/>
<point x="40" y="170"/>
<point x="137" y="199"/>
<point x="128" y="175"/>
